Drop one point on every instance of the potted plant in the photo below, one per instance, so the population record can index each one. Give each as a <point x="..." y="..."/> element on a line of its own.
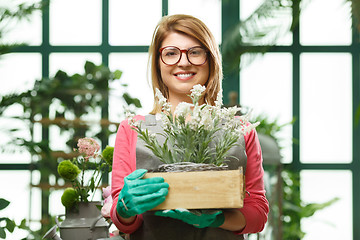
<point x="197" y="138"/>
<point x="83" y="217"/>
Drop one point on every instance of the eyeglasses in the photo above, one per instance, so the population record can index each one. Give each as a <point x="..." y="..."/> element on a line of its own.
<point x="171" y="55"/>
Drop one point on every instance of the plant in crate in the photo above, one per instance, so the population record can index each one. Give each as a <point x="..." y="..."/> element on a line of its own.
<point x="197" y="137"/>
<point x="192" y="133"/>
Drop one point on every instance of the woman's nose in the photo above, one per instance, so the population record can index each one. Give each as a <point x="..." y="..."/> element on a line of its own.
<point x="183" y="61"/>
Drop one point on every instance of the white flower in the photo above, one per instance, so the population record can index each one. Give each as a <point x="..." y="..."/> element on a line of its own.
<point x="135" y="123"/>
<point x="129" y="115"/>
<point x="162" y="101"/>
<point x="195" y="118"/>
<point x="152" y="136"/>
<point x="183" y="109"/>
<point x="206" y="118"/>
<point x="196" y="92"/>
<point x="219" y="102"/>
<point x="132" y="122"/>
<point x="165" y="121"/>
<point x="230" y="112"/>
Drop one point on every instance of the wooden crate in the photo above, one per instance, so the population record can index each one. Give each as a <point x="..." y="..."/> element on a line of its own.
<point x="203" y="189"/>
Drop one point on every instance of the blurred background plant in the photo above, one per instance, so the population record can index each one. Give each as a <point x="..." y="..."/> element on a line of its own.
<point x="75" y="105"/>
<point x="11" y="16"/>
<point x="264" y="28"/>
<point x="244" y="42"/>
<point x="282" y="184"/>
<point x="71" y="106"/>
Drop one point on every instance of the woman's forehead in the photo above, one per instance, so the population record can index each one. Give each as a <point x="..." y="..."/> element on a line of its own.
<point x="180" y="40"/>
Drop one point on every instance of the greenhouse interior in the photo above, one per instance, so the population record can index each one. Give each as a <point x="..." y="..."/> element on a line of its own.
<point x="69" y="73"/>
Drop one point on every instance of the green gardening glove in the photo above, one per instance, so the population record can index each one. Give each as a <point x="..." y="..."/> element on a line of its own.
<point x="199" y="219"/>
<point x="140" y="195"/>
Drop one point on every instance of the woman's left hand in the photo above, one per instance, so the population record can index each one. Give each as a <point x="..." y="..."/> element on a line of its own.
<point x="199" y="219"/>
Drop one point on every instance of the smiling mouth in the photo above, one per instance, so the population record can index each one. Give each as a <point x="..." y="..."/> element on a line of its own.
<point x="184" y="75"/>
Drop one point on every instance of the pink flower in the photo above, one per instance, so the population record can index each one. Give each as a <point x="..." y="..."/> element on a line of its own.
<point x="88" y="147"/>
<point x="106" y="192"/>
<point x="105" y="210"/>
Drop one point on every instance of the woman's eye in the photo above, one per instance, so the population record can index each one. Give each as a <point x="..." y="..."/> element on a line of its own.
<point x="170" y="53"/>
<point x="195" y="52"/>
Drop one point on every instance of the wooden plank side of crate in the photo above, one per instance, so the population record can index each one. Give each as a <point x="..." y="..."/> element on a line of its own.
<point x="203" y="190"/>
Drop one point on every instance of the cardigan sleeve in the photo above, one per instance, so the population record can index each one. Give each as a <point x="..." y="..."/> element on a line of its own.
<point x="256" y="206"/>
<point x="124" y="163"/>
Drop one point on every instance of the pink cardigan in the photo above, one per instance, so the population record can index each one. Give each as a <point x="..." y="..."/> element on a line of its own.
<point x="256" y="206"/>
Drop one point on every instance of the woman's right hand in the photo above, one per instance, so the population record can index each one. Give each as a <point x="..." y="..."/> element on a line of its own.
<point x="140" y="195"/>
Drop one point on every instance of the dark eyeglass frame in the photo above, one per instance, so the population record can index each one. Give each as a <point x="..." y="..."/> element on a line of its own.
<point x="186" y="51"/>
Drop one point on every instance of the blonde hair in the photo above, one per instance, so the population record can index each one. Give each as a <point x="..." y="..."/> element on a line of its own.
<point x="194" y="28"/>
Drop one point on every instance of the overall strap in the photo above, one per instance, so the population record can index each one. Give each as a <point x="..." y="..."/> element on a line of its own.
<point x="150" y="120"/>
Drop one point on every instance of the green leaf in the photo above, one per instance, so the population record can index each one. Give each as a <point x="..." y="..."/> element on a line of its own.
<point x="22" y="224"/>
<point x="3" y="203"/>
<point x="311" y="208"/>
<point x="117" y="74"/>
<point x="61" y="75"/>
<point x="130" y="100"/>
<point x="137" y="103"/>
<point x="92" y="184"/>
<point x="10" y="225"/>
<point x="89" y="67"/>
<point x="2" y="233"/>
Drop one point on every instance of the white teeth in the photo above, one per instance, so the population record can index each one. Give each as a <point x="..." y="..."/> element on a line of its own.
<point x="184" y="75"/>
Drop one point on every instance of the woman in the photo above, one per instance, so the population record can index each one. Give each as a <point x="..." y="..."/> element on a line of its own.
<point x="183" y="53"/>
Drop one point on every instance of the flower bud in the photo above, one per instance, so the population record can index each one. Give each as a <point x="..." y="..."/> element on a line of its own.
<point x="107" y="154"/>
<point x="69" y="197"/>
<point x="68" y="170"/>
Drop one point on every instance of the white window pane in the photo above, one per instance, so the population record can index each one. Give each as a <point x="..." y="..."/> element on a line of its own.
<point x="10" y="79"/>
<point x="55" y="206"/>
<point x="134" y="68"/>
<point x="18" y="194"/>
<point x="27" y="30"/>
<point x="324" y="22"/>
<point x="266" y="87"/>
<point x="248" y="7"/>
<point x="281" y="22"/>
<point x="208" y="11"/>
<point x="13" y="81"/>
<point x="133" y="22"/>
<point x="75" y="22"/>
<point x="325" y="108"/>
<point x="328" y="185"/>
<point x="35" y="209"/>
<point x="10" y="151"/>
<point x="71" y="63"/>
